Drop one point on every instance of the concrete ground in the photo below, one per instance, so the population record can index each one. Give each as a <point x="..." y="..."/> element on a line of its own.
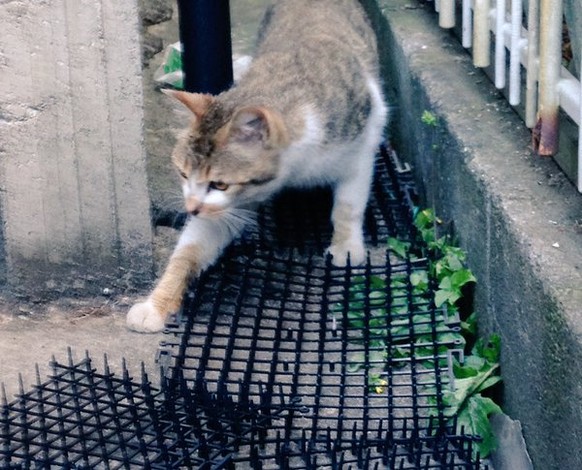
<point x="32" y="332"/>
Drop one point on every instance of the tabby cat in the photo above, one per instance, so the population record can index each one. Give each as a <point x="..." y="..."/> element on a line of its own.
<point x="308" y="112"/>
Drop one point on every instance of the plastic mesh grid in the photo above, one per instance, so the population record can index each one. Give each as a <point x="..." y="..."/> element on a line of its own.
<point x="278" y="360"/>
<point x="280" y="326"/>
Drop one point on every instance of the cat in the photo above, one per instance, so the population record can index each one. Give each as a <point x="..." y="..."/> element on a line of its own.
<point x="308" y="112"/>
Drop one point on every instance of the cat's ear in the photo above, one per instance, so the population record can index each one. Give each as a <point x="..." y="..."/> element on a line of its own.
<point x="258" y="125"/>
<point x="198" y="103"/>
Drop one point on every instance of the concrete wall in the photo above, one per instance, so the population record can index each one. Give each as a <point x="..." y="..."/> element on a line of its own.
<point x="515" y="213"/>
<point x="73" y="189"/>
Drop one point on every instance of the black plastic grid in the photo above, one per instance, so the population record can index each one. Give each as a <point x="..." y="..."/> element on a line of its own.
<point x="279" y="360"/>
<point x="284" y="324"/>
<point x="83" y="419"/>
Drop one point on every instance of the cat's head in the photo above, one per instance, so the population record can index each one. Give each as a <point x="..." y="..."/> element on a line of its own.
<point x="227" y="157"/>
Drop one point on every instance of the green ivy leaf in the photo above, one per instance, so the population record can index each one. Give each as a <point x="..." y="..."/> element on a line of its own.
<point x="490" y="350"/>
<point x="425" y="219"/>
<point x="474" y="418"/>
<point x="453" y="263"/>
<point x="461" y="277"/>
<point x="443" y="296"/>
<point x="469" y="326"/>
<point x="490" y="382"/>
<point x="355" y="362"/>
<point x="447" y="267"/>
<point x="398" y="247"/>
<point x="429" y="118"/>
<point x="376" y="282"/>
<point x="470" y="367"/>
<point x="419" y="279"/>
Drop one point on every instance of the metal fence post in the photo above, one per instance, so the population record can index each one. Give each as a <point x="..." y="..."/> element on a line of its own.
<point x="207" y="46"/>
<point x="481" y="41"/>
<point x="549" y="75"/>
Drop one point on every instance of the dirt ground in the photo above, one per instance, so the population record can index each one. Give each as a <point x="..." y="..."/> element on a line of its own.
<point x="31" y="335"/>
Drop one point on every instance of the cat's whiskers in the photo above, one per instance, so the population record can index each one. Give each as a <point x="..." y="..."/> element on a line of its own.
<point x="238" y="219"/>
<point x="172" y="199"/>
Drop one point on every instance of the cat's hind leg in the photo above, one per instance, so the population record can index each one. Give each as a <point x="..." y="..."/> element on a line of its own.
<point x="352" y="192"/>
<point x="349" y="206"/>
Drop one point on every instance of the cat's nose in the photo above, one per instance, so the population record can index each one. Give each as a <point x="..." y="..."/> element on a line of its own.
<point x="193" y="206"/>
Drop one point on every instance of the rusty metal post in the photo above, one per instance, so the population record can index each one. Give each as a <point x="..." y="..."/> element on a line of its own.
<point x="546" y="132"/>
<point x="531" y="84"/>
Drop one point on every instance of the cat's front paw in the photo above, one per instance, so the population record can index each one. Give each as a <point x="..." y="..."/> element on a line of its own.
<point x="145" y="318"/>
<point x="341" y="253"/>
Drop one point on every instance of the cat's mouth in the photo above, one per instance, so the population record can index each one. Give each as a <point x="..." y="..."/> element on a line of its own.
<point x="205" y="211"/>
<point x="197" y="208"/>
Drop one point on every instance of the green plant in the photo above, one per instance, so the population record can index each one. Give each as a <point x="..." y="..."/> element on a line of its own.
<point x="447" y="264"/>
<point x="477" y="374"/>
<point x="480" y="367"/>
<point x="429" y="118"/>
<point x="447" y="270"/>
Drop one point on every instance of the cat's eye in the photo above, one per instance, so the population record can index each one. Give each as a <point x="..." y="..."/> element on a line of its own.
<point x="183" y="174"/>
<point x="218" y="185"/>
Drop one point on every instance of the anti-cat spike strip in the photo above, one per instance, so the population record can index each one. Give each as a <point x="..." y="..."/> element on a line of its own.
<point x="263" y="369"/>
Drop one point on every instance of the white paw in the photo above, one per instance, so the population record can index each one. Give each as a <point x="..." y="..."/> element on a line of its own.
<point x="144" y="318"/>
<point x="340" y="253"/>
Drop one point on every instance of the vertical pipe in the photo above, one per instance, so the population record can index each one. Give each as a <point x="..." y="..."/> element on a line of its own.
<point x="550" y="64"/>
<point x="500" y="68"/>
<point x="481" y="42"/>
<point x="515" y="54"/>
<point x="467" y="24"/>
<point x="447" y="14"/>
<point x="532" y="63"/>
<point x="206" y="45"/>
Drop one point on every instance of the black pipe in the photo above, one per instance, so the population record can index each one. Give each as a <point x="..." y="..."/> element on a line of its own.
<point x="206" y="45"/>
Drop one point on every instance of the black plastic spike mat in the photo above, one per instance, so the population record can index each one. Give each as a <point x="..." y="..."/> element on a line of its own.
<point x="278" y="360"/>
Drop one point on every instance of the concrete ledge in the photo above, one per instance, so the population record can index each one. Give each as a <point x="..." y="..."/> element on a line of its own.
<point x="516" y="214"/>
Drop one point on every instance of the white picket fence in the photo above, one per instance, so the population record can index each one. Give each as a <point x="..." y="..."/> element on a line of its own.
<point x="535" y="44"/>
